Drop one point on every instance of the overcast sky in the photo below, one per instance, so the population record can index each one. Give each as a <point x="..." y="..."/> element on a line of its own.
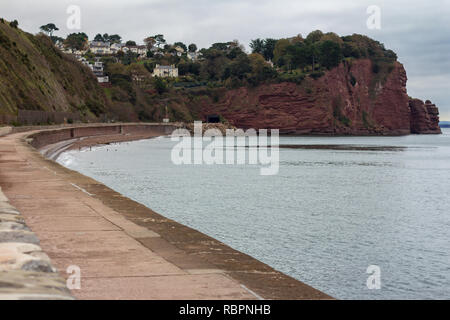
<point x="419" y="31"/>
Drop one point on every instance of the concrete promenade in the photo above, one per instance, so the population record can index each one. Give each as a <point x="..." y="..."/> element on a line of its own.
<point x="123" y="249"/>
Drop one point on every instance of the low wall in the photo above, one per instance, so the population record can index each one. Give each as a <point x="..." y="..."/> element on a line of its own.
<point x="44" y="138"/>
<point x="5" y="130"/>
<point x="26" y="272"/>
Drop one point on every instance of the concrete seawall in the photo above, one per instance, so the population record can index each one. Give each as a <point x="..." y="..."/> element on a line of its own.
<point x="124" y="249"/>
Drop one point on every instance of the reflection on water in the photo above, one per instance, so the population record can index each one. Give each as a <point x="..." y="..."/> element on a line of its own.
<point x="347" y="147"/>
<point x="336" y="163"/>
<point x="335" y="208"/>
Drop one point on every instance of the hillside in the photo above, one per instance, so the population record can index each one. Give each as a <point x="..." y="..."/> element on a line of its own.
<point x="35" y="76"/>
<point x="321" y="84"/>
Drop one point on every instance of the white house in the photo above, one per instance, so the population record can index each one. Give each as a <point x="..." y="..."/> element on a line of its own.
<point x="194" y="56"/>
<point x="165" y="71"/>
<point x="179" y="51"/>
<point x="99" y="47"/>
<point x="116" y="47"/>
<point x="97" y="68"/>
<point x="140" y="50"/>
<point x="103" y="79"/>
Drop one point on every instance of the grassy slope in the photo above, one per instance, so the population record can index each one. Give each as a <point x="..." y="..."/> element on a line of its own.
<point x="34" y="75"/>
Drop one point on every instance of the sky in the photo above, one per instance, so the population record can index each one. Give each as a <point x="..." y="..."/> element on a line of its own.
<point x="418" y="31"/>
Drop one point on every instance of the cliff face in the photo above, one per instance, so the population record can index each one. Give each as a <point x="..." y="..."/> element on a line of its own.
<point x="355" y="98"/>
<point x="424" y="117"/>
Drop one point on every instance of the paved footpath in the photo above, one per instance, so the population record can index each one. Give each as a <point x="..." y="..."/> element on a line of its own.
<point x="76" y="229"/>
<point x="123" y="249"/>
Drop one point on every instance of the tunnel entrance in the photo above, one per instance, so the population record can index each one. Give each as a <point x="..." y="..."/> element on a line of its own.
<point x="213" y="118"/>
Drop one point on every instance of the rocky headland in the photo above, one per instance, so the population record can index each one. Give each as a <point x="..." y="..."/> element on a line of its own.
<point x="348" y="100"/>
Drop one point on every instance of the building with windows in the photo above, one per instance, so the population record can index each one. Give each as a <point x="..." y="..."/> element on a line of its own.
<point x="100" y="47"/>
<point x="165" y="71"/>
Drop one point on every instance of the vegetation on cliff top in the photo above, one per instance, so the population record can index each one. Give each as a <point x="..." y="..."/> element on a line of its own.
<point x="226" y="66"/>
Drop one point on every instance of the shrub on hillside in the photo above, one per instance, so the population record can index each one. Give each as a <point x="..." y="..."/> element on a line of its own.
<point x="14" y="24"/>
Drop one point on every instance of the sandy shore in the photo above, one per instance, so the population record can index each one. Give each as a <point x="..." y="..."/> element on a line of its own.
<point x="124" y="249"/>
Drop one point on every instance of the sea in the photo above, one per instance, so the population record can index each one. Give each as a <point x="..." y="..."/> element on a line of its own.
<point x="355" y="217"/>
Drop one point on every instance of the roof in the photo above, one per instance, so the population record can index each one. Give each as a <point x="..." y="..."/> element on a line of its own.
<point x="99" y="44"/>
<point x="165" y="67"/>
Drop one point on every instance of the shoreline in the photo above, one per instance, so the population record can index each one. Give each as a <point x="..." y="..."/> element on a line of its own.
<point x="188" y="249"/>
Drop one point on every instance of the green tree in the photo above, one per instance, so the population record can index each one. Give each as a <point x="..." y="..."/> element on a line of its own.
<point x="129" y="58"/>
<point x="332" y="37"/>
<point x="14" y="24"/>
<point x="330" y="54"/>
<point x="280" y="51"/>
<point x="99" y="37"/>
<point x="240" y="67"/>
<point x="234" y="53"/>
<point x="192" y="47"/>
<point x="222" y="46"/>
<point x="269" y="47"/>
<point x="183" y="68"/>
<point x="160" y="85"/>
<point x="349" y="49"/>
<point x="313" y="52"/>
<point x="49" y="29"/>
<point x="115" y="38"/>
<point x="56" y="39"/>
<point x="260" y="68"/>
<point x="214" y="64"/>
<point x="257" y="46"/>
<point x="76" y="41"/>
<point x="130" y="43"/>
<point x="299" y="55"/>
<point x="115" y="68"/>
<point x="314" y="36"/>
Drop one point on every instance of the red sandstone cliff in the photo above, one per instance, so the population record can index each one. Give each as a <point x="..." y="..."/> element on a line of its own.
<point x="424" y="117"/>
<point x="350" y="99"/>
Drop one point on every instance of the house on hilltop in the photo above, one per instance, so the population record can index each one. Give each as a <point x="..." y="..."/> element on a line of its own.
<point x="100" y="47"/>
<point x="139" y="50"/>
<point x="116" y="47"/>
<point x="194" y="56"/>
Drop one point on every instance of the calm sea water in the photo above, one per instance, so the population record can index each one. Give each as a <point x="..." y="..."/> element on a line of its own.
<point x="323" y="219"/>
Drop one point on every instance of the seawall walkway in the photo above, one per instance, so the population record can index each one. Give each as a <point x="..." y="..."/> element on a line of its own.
<point x="123" y="249"/>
